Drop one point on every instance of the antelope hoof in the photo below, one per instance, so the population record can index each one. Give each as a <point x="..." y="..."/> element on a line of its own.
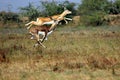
<point x="66" y="22"/>
<point x="44" y="46"/>
<point x="46" y="39"/>
<point x="28" y="27"/>
<point x="40" y="45"/>
<point x="32" y="38"/>
<point x="35" y="45"/>
<point x="40" y="39"/>
<point x="26" y="24"/>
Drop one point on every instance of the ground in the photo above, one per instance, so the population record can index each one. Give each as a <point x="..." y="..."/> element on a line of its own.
<point x="79" y="53"/>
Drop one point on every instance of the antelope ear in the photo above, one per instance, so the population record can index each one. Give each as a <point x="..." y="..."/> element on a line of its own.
<point x="64" y="7"/>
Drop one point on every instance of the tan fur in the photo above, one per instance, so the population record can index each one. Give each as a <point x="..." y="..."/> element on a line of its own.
<point x="34" y="31"/>
<point x="40" y="21"/>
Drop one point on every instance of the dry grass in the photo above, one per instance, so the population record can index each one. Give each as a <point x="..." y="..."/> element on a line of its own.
<point x="87" y="54"/>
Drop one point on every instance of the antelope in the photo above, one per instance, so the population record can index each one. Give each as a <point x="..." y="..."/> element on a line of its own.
<point x="41" y="30"/>
<point x="47" y="20"/>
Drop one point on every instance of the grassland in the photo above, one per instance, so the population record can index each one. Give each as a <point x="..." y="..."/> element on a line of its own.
<point x="81" y="53"/>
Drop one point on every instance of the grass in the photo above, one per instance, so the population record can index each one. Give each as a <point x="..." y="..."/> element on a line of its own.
<point x="90" y="53"/>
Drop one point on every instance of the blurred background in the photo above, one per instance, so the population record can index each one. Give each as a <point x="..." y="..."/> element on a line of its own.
<point x="84" y="12"/>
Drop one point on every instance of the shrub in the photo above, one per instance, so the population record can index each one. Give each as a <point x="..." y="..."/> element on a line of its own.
<point x="9" y="17"/>
<point x="94" y="19"/>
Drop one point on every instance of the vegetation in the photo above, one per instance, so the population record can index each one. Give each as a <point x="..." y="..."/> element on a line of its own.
<point x="8" y="17"/>
<point x="30" y="11"/>
<point x="72" y="53"/>
<point x="92" y="12"/>
<point x="83" y="53"/>
<point x="48" y="9"/>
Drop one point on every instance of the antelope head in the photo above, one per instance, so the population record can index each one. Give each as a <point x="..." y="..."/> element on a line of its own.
<point x="67" y="12"/>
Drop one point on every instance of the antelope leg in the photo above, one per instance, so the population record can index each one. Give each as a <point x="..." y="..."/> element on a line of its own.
<point x="39" y="43"/>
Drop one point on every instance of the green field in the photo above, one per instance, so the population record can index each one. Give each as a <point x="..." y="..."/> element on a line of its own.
<point x="72" y="53"/>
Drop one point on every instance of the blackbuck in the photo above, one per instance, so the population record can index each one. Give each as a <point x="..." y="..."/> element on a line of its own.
<point x="43" y="30"/>
<point x="49" y="20"/>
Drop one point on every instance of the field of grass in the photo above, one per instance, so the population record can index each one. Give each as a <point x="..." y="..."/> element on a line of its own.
<point x="81" y="53"/>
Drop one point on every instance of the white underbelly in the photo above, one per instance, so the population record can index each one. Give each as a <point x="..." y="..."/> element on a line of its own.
<point x="50" y="22"/>
<point x="43" y="33"/>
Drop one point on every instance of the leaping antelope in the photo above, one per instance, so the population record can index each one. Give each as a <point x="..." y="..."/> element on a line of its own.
<point x="41" y="30"/>
<point x="47" y="20"/>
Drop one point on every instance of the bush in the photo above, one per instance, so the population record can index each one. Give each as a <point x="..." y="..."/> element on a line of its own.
<point x="9" y="17"/>
<point x="30" y="11"/>
<point x="94" y="19"/>
<point x="93" y="11"/>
